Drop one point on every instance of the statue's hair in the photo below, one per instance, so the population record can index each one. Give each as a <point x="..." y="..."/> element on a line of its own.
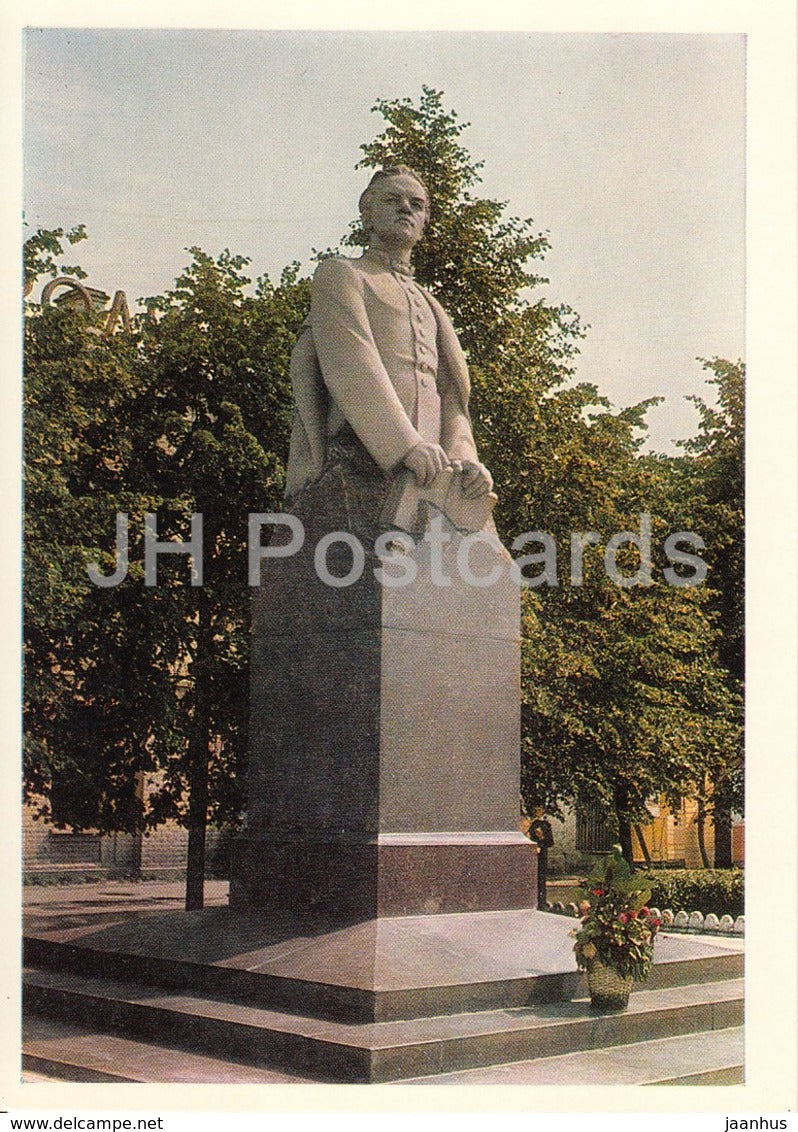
<point x="391" y="171"/>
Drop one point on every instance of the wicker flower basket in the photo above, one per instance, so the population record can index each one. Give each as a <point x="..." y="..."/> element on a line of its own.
<point x="608" y="989"/>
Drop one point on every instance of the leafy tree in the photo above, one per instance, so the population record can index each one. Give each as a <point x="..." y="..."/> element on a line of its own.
<point x="188" y="415"/>
<point x="713" y="480"/>
<point x="78" y="390"/>
<point x="716" y="475"/>
<point x="622" y="693"/>
<point x="43" y="248"/>
<point x="220" y="404"/>
<point x="624" y="699"/>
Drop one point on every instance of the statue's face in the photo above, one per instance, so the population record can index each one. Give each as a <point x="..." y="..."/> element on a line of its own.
<point x="396" y="210"/>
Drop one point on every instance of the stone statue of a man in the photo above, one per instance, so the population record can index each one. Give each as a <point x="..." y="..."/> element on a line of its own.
<point x="378" y="365"/>
<point x="384" y="729"/>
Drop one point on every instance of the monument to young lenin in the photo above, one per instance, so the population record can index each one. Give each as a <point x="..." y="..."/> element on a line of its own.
<point x="385" y="667"/>
<point x="382" y="922"/>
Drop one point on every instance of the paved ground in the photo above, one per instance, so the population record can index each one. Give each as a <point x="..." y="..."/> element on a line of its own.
<point x="215" y="890"/>
<point x="101" y="896"/>
<point x="102" y="892"/>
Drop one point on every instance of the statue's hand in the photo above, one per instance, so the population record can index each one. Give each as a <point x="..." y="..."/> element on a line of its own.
<point x="426" y="460"/>
<point x="476" y="481"/>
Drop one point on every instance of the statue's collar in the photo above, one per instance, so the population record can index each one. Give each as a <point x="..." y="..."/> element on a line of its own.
<point x="388" y="261"/>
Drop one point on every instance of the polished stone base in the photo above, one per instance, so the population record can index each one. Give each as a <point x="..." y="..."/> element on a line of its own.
<point x="371" y="970"/>
<point x="385" y="741"/>
<point x="387" y="875"/>
<point x="378" y="1000"/>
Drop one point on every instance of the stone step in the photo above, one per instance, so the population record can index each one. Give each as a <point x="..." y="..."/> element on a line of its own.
<point x="61" y="1051"/>
<point x="377" y="1051"/>
<point x="707" y="1058"/>
<point x="56" y="1050"/>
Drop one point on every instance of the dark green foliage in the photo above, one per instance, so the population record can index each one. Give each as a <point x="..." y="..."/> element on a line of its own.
<point x="716" y="484"/>
<point x="42" y="249"/>
<point x="698" y="890"/>
<point x="84" y="735"/>
<point x="190" y="414"/>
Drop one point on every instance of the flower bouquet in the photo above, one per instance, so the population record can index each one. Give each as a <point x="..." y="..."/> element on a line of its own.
<point x="615" y="944"/>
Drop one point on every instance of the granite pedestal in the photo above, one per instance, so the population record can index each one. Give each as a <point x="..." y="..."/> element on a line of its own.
<point x="385" y="746"/>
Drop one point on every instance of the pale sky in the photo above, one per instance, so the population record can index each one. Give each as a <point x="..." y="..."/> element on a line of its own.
<point x="628" y="149"/>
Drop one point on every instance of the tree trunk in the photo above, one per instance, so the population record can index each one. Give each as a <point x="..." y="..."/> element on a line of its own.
<point x="198" y="754"/>
<point x="624" y="825"/>
<point x="722" y="821"/>
<point x="197" y="826"/>
<point x="700" y="824"/>
<point x="641" y="841"/>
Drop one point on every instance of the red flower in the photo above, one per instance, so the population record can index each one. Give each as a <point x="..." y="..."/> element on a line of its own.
<point x="654" y="922"/>
<point x="623" y="918"/>
<point x="644" y="912"/>
<point x="634" y="915"/>
<point x="598" y="891"/>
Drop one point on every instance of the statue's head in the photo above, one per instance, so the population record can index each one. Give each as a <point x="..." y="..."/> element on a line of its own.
<point x="391" y="192"/>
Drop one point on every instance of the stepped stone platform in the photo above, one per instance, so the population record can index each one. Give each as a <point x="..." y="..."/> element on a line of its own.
<point x="661" y="1061"/>
<point x="55" y="1050"/>
<point x="417" y="998"/>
